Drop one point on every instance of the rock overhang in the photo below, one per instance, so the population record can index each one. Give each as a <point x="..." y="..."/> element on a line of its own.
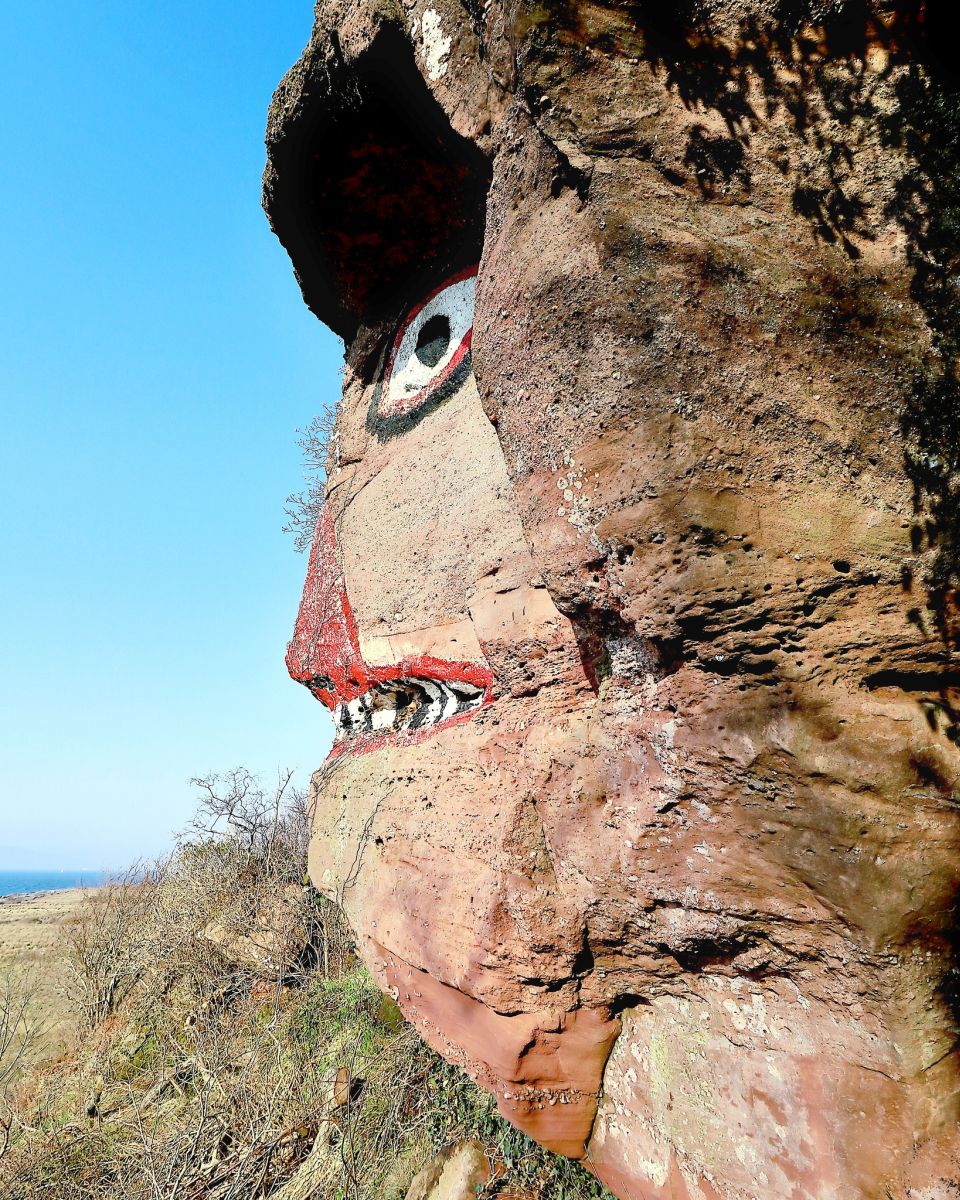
<point x="368" y="187"/>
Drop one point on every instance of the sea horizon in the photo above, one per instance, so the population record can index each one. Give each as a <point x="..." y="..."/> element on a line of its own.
<point x="16" y="882"/>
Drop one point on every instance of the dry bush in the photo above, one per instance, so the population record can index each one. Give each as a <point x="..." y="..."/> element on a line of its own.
<point x="17" y="1025"/>
<point x="269" y="827"/>
<point x="272" y="920"/>
<point x="237" y="1049"/>
<point x="18" y="1032"/>
<point x="303" y="508"/>
<point x="105" y="944"/>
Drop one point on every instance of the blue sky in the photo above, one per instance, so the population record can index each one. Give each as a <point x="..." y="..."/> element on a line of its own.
<point x="155" y="361"/>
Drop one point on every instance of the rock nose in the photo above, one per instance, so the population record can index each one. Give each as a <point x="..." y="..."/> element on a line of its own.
<point x="324" y="652"/>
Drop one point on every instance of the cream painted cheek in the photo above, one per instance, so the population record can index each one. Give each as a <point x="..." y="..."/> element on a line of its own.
<point x="431" y="536"/>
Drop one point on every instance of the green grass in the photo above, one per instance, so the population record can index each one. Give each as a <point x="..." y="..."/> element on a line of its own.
<point x="204" y="1060"/>
<point x="460" y="1110"/>
<point x="429" y="1102"/>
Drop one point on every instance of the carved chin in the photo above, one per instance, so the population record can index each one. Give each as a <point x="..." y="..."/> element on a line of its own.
<point x="545" y="1068"/>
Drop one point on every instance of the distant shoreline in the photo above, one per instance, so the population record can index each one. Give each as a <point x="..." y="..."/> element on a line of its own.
<point x="19" y="882"/>
<point x="26" y="897"/>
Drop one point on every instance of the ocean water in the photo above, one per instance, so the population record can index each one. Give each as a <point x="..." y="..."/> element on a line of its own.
<point x="14" y="882"/>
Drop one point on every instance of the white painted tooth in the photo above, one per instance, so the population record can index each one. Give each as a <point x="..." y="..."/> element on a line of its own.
<point x="338" y="719"/>
<point x="436" y="705"/>
<point x="384" y="718"/>
<point x="452" y="702"/>
<point x="355" y="710"/>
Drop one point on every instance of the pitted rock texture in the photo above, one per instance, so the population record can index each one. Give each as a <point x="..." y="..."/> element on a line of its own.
<point x="682" y="891"/>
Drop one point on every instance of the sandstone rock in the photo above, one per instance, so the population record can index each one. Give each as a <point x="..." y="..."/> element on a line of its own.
<point x="455" y="1174"/>
<point x="634" y="592"/>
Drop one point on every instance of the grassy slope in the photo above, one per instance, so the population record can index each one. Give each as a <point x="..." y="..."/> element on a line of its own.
<point x="30" y="950"/>
<point x="202" y="1079"/>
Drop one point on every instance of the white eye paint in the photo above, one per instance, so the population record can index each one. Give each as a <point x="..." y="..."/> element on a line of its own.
<point x="432" y="343"/>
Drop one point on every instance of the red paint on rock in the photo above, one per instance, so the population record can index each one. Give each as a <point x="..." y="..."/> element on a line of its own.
<point x="325" y="656"/>
<point x="409" y="403"/>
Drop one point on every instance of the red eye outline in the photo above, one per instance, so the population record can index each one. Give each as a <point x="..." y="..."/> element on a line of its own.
<point x="389" y="420"/>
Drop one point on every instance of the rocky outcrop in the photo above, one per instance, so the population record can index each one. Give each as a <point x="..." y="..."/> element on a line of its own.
<point x="634" y="592"/>
<point x="458" y="1173"/>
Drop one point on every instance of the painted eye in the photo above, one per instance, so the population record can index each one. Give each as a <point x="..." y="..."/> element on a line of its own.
<point x="429" y="357"/>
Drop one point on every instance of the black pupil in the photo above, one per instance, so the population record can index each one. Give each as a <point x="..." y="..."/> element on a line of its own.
<point x="433" y="340"/>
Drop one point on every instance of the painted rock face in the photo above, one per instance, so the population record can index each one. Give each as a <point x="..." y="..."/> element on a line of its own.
<point x="426" y="629"/>
<point x="405" y="659"/>
<point x="632" y="597"/>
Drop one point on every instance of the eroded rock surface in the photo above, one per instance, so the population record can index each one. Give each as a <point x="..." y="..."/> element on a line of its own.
<point x="457" y="1173"/>
<point x="634" y="590"/>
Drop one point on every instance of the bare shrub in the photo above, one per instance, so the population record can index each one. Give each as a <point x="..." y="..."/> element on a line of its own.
<point x="18" y="1032"/>
<point x="303" y="508"/>
<point x="270" y="827"/>
<point x="272" y="922"/>
<point x="17" y="1025"/>
<point x="105" y="943"/>
<point x="210" y="1072"/>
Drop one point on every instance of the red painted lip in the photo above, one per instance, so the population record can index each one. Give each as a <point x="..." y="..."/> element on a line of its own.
<point x="324" y="654"/>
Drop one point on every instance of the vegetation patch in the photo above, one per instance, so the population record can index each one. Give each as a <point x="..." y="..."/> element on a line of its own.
<point x="233" y="1047"/>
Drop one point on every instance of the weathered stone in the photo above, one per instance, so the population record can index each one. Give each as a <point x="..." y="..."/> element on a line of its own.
<point x="636" y="603"/>
<point x="457" y="1173"/>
